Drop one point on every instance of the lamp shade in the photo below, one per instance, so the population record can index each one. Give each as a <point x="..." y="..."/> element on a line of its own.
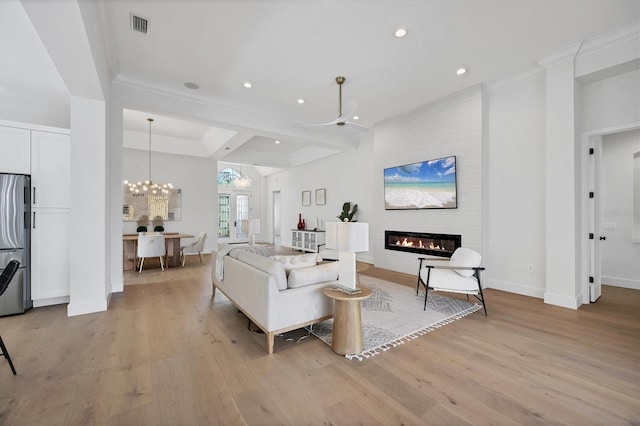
<point x="251" y="226"/>
<point x="348" y="236"/>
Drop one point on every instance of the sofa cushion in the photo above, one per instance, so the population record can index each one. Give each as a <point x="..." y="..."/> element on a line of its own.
<point x="263" y="251"/>
<point x="313" y="274"/>
<point x="267" y="265"/>
<point x="291" y="262"/>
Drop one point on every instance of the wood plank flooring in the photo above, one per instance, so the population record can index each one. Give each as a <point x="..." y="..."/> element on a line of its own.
<point x="166" y="354"/>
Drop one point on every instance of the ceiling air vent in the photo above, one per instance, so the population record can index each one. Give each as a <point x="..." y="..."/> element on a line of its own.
<point x="140" y="24"/>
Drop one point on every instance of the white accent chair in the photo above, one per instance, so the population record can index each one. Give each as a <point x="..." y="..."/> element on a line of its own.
<point x="151" y="246"/>
<point x="461" y="274"/>
<point x="195" y="247"/>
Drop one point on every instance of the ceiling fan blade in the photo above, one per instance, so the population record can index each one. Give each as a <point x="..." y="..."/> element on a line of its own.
<point x="320" y="124"/>
<point x="331" y="123"/>
<point x="349" y="109"/>
<point x="359" y="125"/>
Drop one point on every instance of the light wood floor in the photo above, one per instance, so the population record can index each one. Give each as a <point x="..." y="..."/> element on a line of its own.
<point x="166" y="354"/>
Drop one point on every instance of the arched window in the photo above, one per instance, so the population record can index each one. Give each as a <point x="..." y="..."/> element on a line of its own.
<point x="227" y="176"/>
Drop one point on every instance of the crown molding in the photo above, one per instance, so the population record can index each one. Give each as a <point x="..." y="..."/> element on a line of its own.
<point x="611" y="38"/>
<point x="592" y="45"/>
<point x="567" y="54"/>
<point x="533" y="74"/>
<point x="160" y="89"/>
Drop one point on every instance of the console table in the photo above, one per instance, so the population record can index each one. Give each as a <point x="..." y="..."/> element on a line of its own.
<point x="307" y="240"/>
<point x="346" y="338"/>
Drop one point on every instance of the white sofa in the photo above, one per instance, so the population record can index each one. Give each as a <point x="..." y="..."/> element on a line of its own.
<point x="274" y="294"/>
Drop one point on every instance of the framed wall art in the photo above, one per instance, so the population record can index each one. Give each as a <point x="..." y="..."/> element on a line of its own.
<point x="306" y="198"/>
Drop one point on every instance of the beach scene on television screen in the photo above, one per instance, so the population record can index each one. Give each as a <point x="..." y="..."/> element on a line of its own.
<point x="425" y="185"/>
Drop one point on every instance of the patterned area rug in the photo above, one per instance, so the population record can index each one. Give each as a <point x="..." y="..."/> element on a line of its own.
<point x="393" y="315"/>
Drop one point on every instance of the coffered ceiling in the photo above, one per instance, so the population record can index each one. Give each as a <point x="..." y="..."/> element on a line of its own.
<point x="294" y="49"/>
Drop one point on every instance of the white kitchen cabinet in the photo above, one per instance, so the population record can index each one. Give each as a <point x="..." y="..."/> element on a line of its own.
<point x="49" y="256"/>
<point x="15" y="150"/>
<point x="45" y="154"/>
<point x="50" y="170"/>
<point x="307" y="240"/>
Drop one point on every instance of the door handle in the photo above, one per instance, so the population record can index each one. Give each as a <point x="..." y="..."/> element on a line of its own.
<point x="34" y="195"/>
<point x="602" y="238"/>
<point x="34" y="220"/>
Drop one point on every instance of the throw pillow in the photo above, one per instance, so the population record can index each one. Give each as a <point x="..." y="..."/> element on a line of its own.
<point x="267" y="265"/>
<point x="291" y="262"/>
<point x="313" y="274"/>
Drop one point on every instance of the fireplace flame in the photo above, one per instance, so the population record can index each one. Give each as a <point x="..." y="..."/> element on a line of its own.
<point x="406" y="243"/>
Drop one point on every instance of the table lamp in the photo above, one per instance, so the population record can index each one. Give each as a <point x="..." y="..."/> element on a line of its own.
<point x="348" y="238"/>
<point x="251" y="227"/>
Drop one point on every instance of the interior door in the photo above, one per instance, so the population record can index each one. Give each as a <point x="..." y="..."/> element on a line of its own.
<point x="232" y="209"/>
<point x="595" y="222"/>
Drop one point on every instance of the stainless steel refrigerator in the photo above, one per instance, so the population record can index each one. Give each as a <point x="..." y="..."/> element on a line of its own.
<point x="15" y="241"/>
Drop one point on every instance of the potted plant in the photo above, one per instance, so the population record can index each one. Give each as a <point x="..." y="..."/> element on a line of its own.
<point x="348" y="213"/>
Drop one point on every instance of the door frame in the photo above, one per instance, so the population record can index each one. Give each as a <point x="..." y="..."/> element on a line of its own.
<point x="276" y="207"/>
<point x="587" y="208"/>
<point x="233" y="194"/>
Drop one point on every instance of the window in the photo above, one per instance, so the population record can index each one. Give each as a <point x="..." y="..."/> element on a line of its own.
<point x="227" y="176"/>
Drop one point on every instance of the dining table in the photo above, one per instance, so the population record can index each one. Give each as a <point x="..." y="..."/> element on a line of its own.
<point x="172" y="249"/>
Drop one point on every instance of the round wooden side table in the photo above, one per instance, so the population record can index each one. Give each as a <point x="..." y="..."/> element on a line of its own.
<point x="347" y="320"/>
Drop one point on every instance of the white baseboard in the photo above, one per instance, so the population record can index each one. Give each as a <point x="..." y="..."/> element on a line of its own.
<point x="621" y="282"/>
<point x="38" y="303"/>
<point x="511" y="287"/>
<point x="86" y="307"/>
<point x="562" y="300"/>
<point x="117" y="287"/>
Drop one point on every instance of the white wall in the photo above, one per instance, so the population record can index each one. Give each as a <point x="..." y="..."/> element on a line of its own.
<point x="450" y="126"/>
<point x="611" y="102"/>
<point x="620" y="255"/>
<point x="346" y="177"/>
<point x="516" y="216"/>
<point x="197" y="179"/>
<point x="522" y="152"/>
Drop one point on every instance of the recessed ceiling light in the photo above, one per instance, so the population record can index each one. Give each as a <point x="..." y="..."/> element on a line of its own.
<point x="401" y="32"/>
<point x="461" y="71"/>
<point x="300" y="101"/>
<point x="356" y="117"/>
<point x="248" y="84"/>
<point x="277" y="141"/>
<point x="190" y="85"/>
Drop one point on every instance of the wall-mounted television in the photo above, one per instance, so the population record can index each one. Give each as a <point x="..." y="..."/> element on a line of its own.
<point x="424" y="185"/>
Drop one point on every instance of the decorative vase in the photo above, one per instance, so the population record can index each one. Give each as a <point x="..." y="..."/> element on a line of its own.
<point x="300" y="222"/>
<point x="304" y="225"/>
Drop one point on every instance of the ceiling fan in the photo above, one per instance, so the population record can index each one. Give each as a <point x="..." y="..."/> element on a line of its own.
<point x="343" y="114"/>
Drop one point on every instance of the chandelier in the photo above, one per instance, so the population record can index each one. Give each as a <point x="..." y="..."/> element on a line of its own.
<point x="140" y="189"/>
<point x="242" y="182"/>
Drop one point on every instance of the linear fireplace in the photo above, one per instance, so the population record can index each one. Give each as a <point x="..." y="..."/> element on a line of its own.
<point x="442" y="245"/>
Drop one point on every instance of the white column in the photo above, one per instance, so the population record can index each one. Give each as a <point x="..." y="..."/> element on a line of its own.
<point x="88" y="266"/>
<point x="560" y="186"/>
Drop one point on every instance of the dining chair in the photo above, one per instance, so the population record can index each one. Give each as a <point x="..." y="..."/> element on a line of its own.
<point x="461" y="274"/>
<point x="151" y="246"/>
<point x="195" y="247"/>
<point x="5" y="279"/>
